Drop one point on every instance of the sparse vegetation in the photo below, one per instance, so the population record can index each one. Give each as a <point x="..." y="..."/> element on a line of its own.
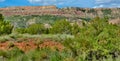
<point x="95" y="40"/>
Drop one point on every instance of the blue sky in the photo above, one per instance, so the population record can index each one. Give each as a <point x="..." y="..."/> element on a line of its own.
<point x="62" y="3"/>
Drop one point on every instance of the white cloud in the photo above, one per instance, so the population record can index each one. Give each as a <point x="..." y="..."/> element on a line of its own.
<point x="51" y="2"/>
<point x="102" y="1"/>
<point x="115" y="5"/>
<point x="107" y="6"/>
<point x="99" y="6"/>
<point x="2" y="0"/>
<point x="107" y="3"/>
<point x="41" y="1"/>
<point x="44" y="2"/>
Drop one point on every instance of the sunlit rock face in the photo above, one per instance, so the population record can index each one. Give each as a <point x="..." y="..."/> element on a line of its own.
<point x="28" y="10"/>
<point x="67" y="11"/>
<point x="114" y="21"/>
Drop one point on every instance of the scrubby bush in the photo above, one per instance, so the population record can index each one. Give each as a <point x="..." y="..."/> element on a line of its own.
<point x="5" y="27"/>
<point x="35" y="29"/>
<point x="75" y="29"/>
<point x="61" y="27"/>
<point x="107" y="11"/>
<point x="32" y="29"/>
<point x="42" y="55"/>
<point x="21" y="30"/>
<point x="13" y="53"/>
<point x="97" y="40"/>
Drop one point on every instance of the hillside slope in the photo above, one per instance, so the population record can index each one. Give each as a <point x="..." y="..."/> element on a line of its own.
<point x="67" y="12"/>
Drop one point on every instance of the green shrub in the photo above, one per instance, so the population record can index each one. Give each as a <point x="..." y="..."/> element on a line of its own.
<point x="14" y="53"/>
<point x="3" y="53"/>
<point x="107" y="11"/>
<point x="5" y="27"/>
<point x="61" y="27"/>
<point x="21" y="30"/>
<point x="75" y="29"/>
<point x="96" y="40"/>
<point x="35" y="29"/>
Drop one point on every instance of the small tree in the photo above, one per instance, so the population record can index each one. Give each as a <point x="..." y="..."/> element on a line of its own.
<point x="61" y="27"/>
<point x="75" y="29"/>
<point x="5" y="27"/>
<point x="35" y="29"/>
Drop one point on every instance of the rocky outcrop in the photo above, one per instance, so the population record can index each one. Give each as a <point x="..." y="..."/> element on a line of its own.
<point x="67" y="12"/>
<point x="114" y="21"/>
<point x="28" y="10"/>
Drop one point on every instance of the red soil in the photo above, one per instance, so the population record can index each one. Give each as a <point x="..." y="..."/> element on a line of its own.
<point x="30" y="45"/>
<point x="52" y="45"/>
